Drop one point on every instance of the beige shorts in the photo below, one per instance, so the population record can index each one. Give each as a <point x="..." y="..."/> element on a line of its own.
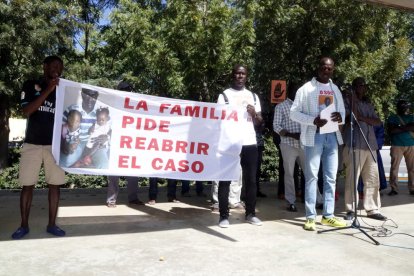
<point x="32" y="157"/>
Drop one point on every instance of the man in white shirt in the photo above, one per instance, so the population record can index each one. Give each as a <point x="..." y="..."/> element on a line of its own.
<point x="239" y="96"/>
<point x="318" y="145"/>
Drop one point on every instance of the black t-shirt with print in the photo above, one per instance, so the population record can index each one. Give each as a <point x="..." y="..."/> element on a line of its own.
<point x="39" y="129"/>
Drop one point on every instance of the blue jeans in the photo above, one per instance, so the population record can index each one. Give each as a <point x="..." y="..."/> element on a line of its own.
<point x="325" y="150"/>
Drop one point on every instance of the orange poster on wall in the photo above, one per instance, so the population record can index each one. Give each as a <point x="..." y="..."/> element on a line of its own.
<point x="277" y="91"/>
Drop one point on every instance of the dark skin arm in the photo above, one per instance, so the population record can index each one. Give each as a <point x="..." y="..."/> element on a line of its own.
<point x="319" y="122"/>
<point x="335" y="117"/>
<point x="367" y="120"/>
<point x="257" y="116"/>
<point x="397" y="129"/>
<point x="33" y="106"/>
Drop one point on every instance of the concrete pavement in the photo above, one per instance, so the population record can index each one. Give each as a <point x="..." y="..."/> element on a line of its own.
<point x="184" y="239"/>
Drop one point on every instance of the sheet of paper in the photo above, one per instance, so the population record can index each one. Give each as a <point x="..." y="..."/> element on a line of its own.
<point x="330" y="125"/>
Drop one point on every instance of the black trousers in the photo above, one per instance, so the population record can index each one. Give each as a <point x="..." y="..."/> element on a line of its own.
<point x="248" y="162"/>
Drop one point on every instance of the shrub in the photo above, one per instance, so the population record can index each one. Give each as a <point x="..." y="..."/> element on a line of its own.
<point x="270" y="160"/>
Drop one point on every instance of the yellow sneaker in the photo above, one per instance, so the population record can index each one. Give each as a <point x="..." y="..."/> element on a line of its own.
<point x="333" y="221"/>
<point x="310" y="225"/>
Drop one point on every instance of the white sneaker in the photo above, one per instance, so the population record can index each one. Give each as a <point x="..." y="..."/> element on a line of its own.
<point x="224" y="223"/>
<point x="254" y="220"/>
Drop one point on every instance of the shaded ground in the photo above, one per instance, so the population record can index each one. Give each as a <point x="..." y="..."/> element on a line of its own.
<point x="184" y="239"/>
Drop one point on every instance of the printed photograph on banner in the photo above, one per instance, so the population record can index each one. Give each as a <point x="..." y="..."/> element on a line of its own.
<point x="325" y="101"/>
<point x="278" y="91"/>
<point x="86" y="130"/>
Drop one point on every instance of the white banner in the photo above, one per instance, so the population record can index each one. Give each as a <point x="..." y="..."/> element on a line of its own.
<point x="104" y="131"/>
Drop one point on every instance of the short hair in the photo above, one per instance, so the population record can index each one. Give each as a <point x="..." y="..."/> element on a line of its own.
<point x="237" y="66"/>
<point x="48" y="60"/>
<point x="90" y="92"/>
<point x="102" y="110"/>
<point x="320" y="62"/>
<point x="358" y="80"/>
<point x="125" y="86"/>
<point x="74" y="112"/>
<point x="403" y="104"/>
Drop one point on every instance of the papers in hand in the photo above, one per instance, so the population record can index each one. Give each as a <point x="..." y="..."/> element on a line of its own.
<point x="330" y="126"/>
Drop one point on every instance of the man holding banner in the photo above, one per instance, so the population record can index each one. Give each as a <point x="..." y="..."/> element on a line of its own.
<point x="238" y="96"/>
<point x="38" y="101"/>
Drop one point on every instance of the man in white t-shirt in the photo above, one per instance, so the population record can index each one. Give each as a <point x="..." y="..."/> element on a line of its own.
<point x="239" y="96"/>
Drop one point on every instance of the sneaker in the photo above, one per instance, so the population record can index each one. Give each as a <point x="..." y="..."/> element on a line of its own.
<point x="152" y="202"/>
<point x="349" y="215"/>
<point x="55" y="230"/>
<point x="252" y="219"/>
<point x="20" y="233"/>
<point x="393" y="192"/>
<point x="224" y="223"/>
<point x="309" y="225"/>
<point x="333" y="221"/>
<point x="111" y="205"/>
<point x="292" y="208"/>
<point x="377" y="216"/>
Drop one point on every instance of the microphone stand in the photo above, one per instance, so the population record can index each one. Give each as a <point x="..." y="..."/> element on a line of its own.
<point x="355" y="223"/>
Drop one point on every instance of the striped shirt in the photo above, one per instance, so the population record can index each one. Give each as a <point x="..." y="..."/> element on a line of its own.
<point x="88" y="119"/>
<point x="305" y="109"/>
<point x="281" y="120"/>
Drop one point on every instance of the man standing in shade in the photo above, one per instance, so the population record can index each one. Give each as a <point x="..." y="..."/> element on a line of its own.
<point x="289" y="132"/>
<point x="38" y="101"/>
<point x="239" y="96"/>
<point x="364" y="162"/>
<point x="319" y="146"/>
<point x="401" y="130"/>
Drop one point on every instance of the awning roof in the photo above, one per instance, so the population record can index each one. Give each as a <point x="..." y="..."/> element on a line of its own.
<point x="399" y="4"/>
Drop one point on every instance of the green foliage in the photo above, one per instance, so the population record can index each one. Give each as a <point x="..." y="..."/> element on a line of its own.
<point x="86" y="181"/>
<point x="30" y="30"/>
<point x="270" y="160"/>
<point x="9" y="177"/>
